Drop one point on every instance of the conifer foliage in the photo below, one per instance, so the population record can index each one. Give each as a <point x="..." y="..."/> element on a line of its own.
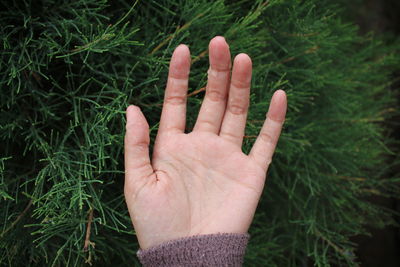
<point x="68" y="70"/>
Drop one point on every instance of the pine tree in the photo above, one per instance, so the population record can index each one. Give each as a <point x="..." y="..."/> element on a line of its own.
<point x="69" y="69"/>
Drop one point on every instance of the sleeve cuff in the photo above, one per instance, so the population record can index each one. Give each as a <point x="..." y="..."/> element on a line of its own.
<point x="225" y="249"/>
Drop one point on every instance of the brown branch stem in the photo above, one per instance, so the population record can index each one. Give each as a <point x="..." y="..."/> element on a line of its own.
<point x="88" y="228"/>
<point x="18" y="218"/>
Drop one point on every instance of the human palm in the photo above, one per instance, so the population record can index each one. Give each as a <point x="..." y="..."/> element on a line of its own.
<point x="201" y="182"/>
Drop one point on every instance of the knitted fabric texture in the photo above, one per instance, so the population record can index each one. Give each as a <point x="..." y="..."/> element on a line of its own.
<point x="226" y="249"/>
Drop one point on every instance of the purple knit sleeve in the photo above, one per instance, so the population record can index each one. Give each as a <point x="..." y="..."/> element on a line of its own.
<point x="225" y="249"/>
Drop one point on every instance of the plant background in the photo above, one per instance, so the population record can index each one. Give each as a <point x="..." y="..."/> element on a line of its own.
<point x="69" y="69"/>
<point x="383" y="245"/>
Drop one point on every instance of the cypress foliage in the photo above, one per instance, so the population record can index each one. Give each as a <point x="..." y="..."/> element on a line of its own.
<point x="69" y="69"/>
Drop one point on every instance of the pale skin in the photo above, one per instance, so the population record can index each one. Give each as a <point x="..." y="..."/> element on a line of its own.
<point x="200" y="182"/>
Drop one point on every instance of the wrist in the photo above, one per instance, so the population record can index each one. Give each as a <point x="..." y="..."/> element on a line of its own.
<point x="222" y="249"/>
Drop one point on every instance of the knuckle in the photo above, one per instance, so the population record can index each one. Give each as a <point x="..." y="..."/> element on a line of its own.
<point x="132" y="126"/>
<point x="231" y="136"/>
<point x="238" y="106"/>
<point x="236" y="109"/>
<point x="267" y="138"/>
<point x="176" y="91"/>
<point x="241" y="85"/>
<point x="218" y="72"/>
<point x="215" y="94"/>
<point x="132" y="141"/>
<point x="261" y="159"/>
<point x="206" y="123"/>
<point x="267" y="162"/>
<point x="175" y="100"/>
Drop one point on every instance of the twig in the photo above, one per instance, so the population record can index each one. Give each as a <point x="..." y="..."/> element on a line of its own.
<point x="200" y="56"/>
<point x="358" y="179"/>
<point x="334" y="246"/>
<point x="196" y="92"/>
<point x="103" y="37"/>
<point x="372" y="191"/>
<point x="250" y="136"/>
<point x="363" y="120"/>
<point x="308" y="51"/>
<point x="164" y="42"/>
<point x="300" y="34"/>
<point x="88" y="227"/>
<point x="18" y="219"/>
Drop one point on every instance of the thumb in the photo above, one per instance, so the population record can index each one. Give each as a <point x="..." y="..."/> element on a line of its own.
<point x="137" y="160"/>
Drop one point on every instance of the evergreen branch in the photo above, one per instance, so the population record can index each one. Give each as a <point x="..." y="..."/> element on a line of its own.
<point x="68" y="114"/>
<point x="341" y="251"/>
<point x="104" y="37"/>
<point x="177" y="31"/>
<point x="250" y="18"/>
<point x="126" y="15"/>
<point x="261" y="7"/>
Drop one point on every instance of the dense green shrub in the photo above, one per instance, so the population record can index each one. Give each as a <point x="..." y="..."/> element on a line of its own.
<point x="69" y="69"/>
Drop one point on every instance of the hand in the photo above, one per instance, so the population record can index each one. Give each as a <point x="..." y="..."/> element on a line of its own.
<point x="201" y="182"/>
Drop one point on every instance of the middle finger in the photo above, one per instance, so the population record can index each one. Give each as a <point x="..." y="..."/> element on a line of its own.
<point x="213" y="107"/>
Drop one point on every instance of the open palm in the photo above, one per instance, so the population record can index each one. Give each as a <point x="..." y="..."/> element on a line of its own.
<point x="201" y="182"/>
